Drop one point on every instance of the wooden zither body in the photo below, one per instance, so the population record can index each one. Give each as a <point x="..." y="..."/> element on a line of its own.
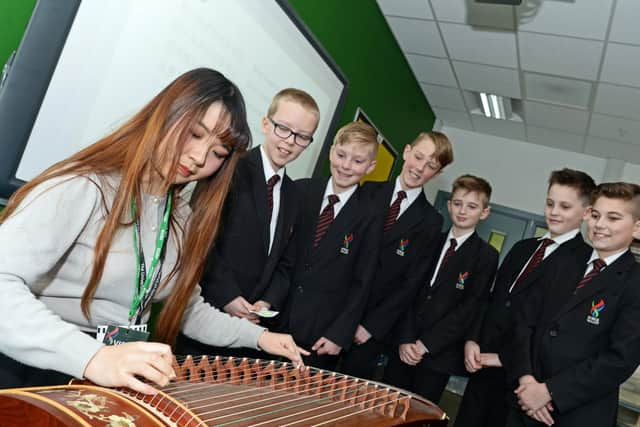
<point x="224" y="392"/>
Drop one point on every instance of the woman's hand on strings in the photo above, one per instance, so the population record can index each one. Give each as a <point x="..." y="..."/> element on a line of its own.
<point x="282" y="345"/>
<point x="118" y="366"/>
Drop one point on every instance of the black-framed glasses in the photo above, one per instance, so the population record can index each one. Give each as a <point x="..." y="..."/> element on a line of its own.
<point x="284" y="132"/>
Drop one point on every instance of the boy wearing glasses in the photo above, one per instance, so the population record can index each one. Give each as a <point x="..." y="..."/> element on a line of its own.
<point x="411" y="235"/>
<point x="259" y="215"/>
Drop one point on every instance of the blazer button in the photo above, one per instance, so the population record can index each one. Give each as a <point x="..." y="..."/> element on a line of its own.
<point x="507" y="304"/>
<point x="428" y="297"/>
<point x="553" y="333"/>
<point x="300" y="289"/>
<point x="307" y="267"/>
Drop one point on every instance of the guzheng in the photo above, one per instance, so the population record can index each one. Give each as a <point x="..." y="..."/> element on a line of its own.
<point x="224" y="391"/>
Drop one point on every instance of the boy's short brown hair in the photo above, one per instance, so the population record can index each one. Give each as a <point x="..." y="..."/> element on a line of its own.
<point x="619" y="190"/>
<point x="578" y="180"/>
<point x="298" y="96"/>
<point x="360" y="133"/>
<point x="473" y="183"/>
<point x="444" y="150"/>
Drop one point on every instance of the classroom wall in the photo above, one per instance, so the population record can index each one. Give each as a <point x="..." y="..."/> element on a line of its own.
<point x="359" y="40"/>
<point x="518" y="171"/>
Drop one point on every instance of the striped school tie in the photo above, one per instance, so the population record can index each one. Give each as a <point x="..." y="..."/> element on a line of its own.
<point x="598" y="265"/>
<point x="535" y="261"/>
<point x="270" y="184"/>
<point x="394" y="210"/>
<point x="450" y="250"/>
<point x="325" y="219"/>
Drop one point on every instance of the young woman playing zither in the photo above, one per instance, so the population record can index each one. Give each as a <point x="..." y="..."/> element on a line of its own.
<point x="98" y="237"/>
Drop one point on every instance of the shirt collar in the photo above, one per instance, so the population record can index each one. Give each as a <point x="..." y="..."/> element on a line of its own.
<point x="266" y="166"/>
<point x="412" y="194"/>
<point x="608" y="260"/>
<point x="459" y="240"/>
<point x="344" y="196"/>
<point x="561" y="238"/>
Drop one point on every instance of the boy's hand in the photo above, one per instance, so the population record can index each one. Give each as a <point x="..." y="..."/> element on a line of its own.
<point x="282" y="345"/>
<point x="361" y="336"/>
<point x="533" y="396"/>
<point x="259" y="305"/>
<point x="490" y="360"/>
<point x="326" y="346"/>
<point x="472" y="362"/>
<point x="240" y="307"/>
<point x="409" y="354"/>
<point x="543" y="415"/>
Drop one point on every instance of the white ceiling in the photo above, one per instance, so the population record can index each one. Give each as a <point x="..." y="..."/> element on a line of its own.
<point x="573" y="67"/>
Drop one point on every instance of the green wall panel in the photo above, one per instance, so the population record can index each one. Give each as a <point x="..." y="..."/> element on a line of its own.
<point x="356" y="35"/>
<point x="14" y="16"/>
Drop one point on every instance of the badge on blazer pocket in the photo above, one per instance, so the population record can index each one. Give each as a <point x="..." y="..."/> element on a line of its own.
<point x="348" y="238"/>
<point x="594" y="312"/>
<point x="462" y="277"/>
<point x="402" y="247"/>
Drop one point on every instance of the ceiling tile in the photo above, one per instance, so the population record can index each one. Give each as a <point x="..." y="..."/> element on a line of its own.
<point x="442" y="96"/>
<point x="558" y="90"/>
<point x="457" y="119"/>
<point x="554" y="117"/>
<point x="625" y="22"/>
<point x="584" y="18"/>
<point x="615" y="128"/>
<point x="483" y="78"/>
<point x="618" y="101"/>
<point x="555" y="138"/>
<point x="466" y="12"/>
<point x="503" y="128"/>
<point x="560" y="55"/>
<point x="432" y="70"/>
<point x="483" y="45"/>
<point x="409" y="8"/>
<point x="417" y="36"/>
<point x="612" y="149"/>
<point x="618" y="66"/>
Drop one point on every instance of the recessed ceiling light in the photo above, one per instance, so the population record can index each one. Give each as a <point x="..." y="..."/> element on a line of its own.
<point x="495" y="106"/>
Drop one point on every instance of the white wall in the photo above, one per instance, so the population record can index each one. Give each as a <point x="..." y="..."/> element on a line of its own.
<point x="631" y="173"/>
<point x="518" y="171"/>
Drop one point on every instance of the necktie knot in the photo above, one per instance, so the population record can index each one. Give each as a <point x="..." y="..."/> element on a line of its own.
<point x="273" y="180"/>
<point x="453" y="243"/>
<point x="547" y="242"/>
<point x="401" y="195"/>
<point x="333" y="199"/>
<point x="598" y="264"/>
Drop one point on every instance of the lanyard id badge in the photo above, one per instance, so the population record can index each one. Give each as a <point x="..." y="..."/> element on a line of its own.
<point x="114" y="335"/>
<point x="147" y="283"/>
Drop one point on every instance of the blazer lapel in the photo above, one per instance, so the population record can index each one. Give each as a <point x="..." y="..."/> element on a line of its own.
<point x="412" y="216"/>
<point x="342" y="221"/>
<point x="452" y="266"/>
<point x="260" y="195"/>
<point x="606" y="279"/>
<point x="283" y="215"/>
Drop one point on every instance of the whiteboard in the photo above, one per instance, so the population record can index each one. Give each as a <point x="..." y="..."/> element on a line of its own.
<point x="117" y="54"/>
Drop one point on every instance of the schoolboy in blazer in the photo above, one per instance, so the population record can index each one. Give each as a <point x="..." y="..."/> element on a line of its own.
<point x="484" y="403"/>
<point x="259" y="216"/>
<point x="431" y="335"/>
<point x="582" y="331"/>
<point x="411" y="234"/>
<point x="331" y="277"/>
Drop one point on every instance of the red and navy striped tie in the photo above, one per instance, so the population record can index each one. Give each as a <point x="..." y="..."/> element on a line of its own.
<point x="394" y="210"/>
<point x="535" y="261"/>
<point x="598" y="265"/>
<point x="270" y="184"/>
<point x="325" y="219"/>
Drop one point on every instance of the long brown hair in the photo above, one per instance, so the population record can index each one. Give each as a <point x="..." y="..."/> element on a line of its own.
<point x="134" y="151"/>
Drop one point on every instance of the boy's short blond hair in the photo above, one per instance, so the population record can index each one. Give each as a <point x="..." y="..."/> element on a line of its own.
<point x="473" y="183"/>
<point x="360" y="133"/>
<point x="444" y="150"/>
<point x="619" y="190"/>
<point x="297" y="96"/>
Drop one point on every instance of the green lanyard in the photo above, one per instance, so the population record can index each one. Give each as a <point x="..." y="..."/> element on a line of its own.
<point x="142" y="294"/>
